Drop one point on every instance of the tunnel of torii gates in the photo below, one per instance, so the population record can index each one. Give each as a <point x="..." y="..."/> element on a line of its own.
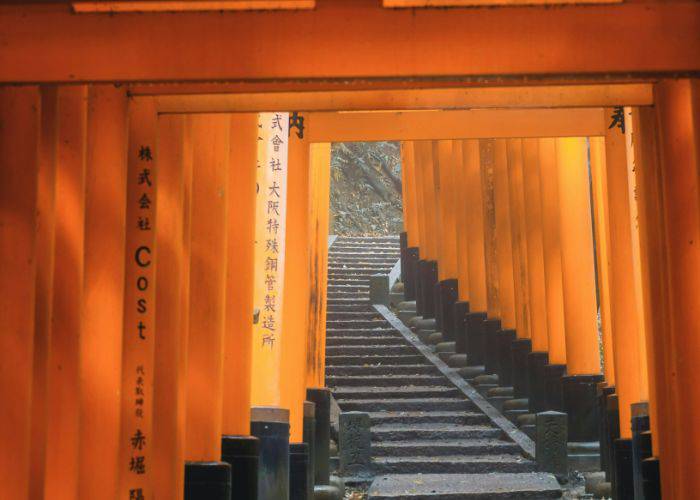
<point x="142" y="224"/>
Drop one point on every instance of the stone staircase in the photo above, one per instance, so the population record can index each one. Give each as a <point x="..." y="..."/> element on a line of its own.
<point x="429" y="440"/>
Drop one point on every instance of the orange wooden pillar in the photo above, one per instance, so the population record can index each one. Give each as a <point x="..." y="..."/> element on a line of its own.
<point x="319" y="208"/>
<point x="485" y="178"/>
<point x="474" y="225"/>
<point x="504" y="256"/>
<point x="601" y="225"/>
<point x="240" y="274"/>
<point x="45" y="225"/>
<point x="578" y="279"/>
<point x="210" y="143"/>
<point x="20" y="132"/>
<point x="676" y="344"/>
<point x="551" y="247"/>
<point x="539" y="357"/>
<point x="428" y="264"/>
<point x="103" y="292"/>
<point x="462" y="213"/>
<point x="411" y="253"/>
<point x="295" y="315"/>
<point x="170" y="344"/>
<point x="63" y="424"/>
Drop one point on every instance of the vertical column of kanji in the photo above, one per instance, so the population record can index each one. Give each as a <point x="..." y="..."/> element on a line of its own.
<point x="296" y="299"/>
<point x="63" y="429"/>
<point x="45" y="228"/>
<point x="240" y="249"/>
<point x="20" y="132"/>
<point x="211" y="154"/>
<point x="601" y="226"/>
<point x="319" y="199"/>
<point x="168" y="430"/>
<point x="103" y="292"/>
<point x="136" y="456"/>
<point x="270" y="256"/>
<point x="578" y="279"/>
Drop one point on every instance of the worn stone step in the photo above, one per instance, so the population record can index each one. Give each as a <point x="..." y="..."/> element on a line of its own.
<point x="418" y="404"/>
<point x="451" y="464"/>
<point x="361" y="332"/>
<point x="382" y="380"/>
<point x="401" y="432"/>
<point x="350" y="324"/>
<point x="342" y="275"/>
<point x="413" y="447"/>
<point x="350" y="308"/>
<point x="346" y="295"/>
<point x="344" y="302"/>
<point x="402" y="359"/>
<point x="363" y="341"/>
<point x="370" y="269"/>
<point x="393" y="392"/>
<point x="465" y="486"/>
<point x="355" y="253"/>
<point x="364" y="350"/>
<point x="423" y="417"/>
<point x="366" y="315"/>
<point x="348" y="288"/>
<point x="347" y="281"/>
<point x="382" y="370"/>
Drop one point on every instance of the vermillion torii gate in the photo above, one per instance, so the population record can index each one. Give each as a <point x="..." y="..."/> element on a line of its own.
<point x="83" y="132"/>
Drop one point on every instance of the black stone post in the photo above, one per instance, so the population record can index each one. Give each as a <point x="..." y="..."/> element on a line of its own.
<point x="243" y="454"/>
<point x="448" y="292"/>
<point x="652" y="479"/>
<point x="553" y="386"/>
<point x="520" y="349"/>
<point x="536" y="361"/>
<point x="298" y="471"/>
<point x="420" y="306"/>
<point x="641" y="445"/>
<point x="429" y="276"/>
<point x="579" y="394"/>
<point x="491" y="358"/>
<point x="474" y="333"/>
<point x="321" y="397"/>
<point x="409" y="283"/>
<point x="459" y="315"/>
<point x="505" y="339"/>
<point x="207" y="481"/>
<point x="271" y="426"/>
<point x="623" y="483"/>
<point x="309" y="437"/>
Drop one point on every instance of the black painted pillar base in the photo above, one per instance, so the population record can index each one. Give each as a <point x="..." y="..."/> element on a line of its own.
<point x="491" y="359"/>
<point x="403" y="258"/>
<point x="553" y="374"/>
<point x="309" y="437"/>
<point x="520" y="348"/>
<point x="612" y="427"/>
<point x="420" y="307"/>
<point x="604" y="391"/>
<point x="243" y="454"/>
<point x="321" y="397"/>
<point x="298" y="471"/>
<point x="651" y="475"/>
<point x="641" y="445"/>
<point x="581" y="405"/>
<point x="474" y="335"/>
<point x="207" y="481"/>
<point x="270" y="425"/>
<point x="445" y="298"/>
<point x="409" y="280"/>
<point x="623" y="483"/>
<point x="460" y="310"/>
<point x="505" y="339"/>
<point x="536" y="361"/>
<point x="428" y="277"/>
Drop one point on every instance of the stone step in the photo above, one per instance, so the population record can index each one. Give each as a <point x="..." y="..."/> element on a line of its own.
<point x="402" y="359"/>
<point x="348" y="288"/>
<point x="361" y="332"/>
<point x="346" y="324"/>
<point x="464" y="486"/>
<point x="343" y="302"/>
<point x="364" y="350"/>
<point x="424" y="417"/>
<point x="355" y="253"/>
<point x="350" y="308"/>
<point x="343" y="275"/>
<point x="363" y="379"/>
<point x="368" y="314"/>
<point x="370" y="269"/>
<point x="451" y="464"/>
<point x="394" y="392"/>
<point x="418" y="404"/>
<point x="363" y="341"/>
<point x="375" y="370"/>
<point x="346" y="295"/>
<point x="435" y="447"/>
<point x="401" y="432"/>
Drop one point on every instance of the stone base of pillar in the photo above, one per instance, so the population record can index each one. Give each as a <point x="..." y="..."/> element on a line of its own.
<point x="460" y="309"/>
<point x="641" y="444"/>
<point x="309" y="437"/>
<point x="207" y="481"/>
<point x="611" y="417"/>
<point x="420" y="306"/>
<point x="474" y="335"/>
<point x="651" y="476"/>
<point x="409" y="283"/>
<point x="505" y="339"/>
<point x="321" y="397"/>
<point x="520" y="349"/>
<point x="579" y="393"/>
<point x="584" y="456"/>
<point x="428" y="278"/>
<point x="552" y="386"/>
<point x="491" y="359"/>
<point x="298" y="471"/>
<point x="604" y="391"/>
<point x="270" y="425"/>
<point x="623" y="483"/>
<point x="536" y="361"/>
<point x="243" y="454"/>
<point x="403" y="258"/>
<point x="445" y="298"/>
